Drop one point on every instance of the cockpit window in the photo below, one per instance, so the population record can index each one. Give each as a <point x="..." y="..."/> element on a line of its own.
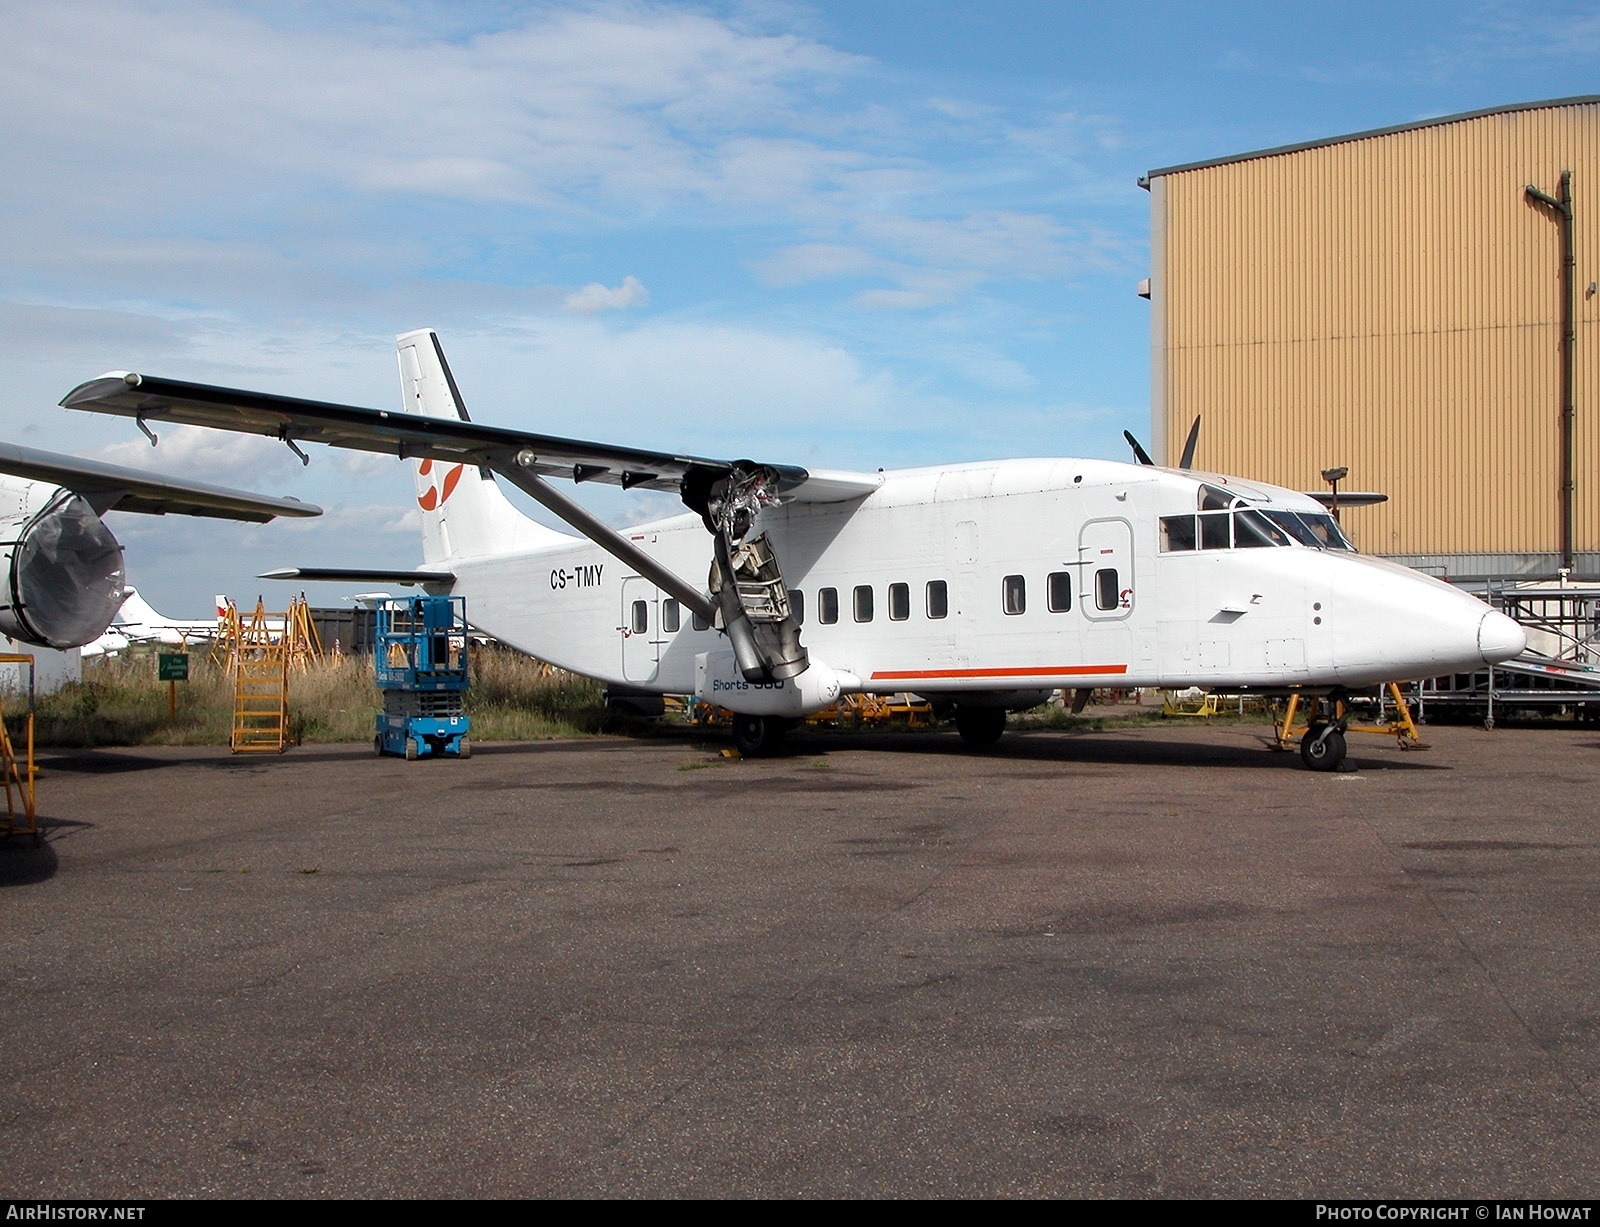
<point x="1177" y="533"/>
<point x="1214" y="530"/>
<point x="1328" y="532"/>
<point x="1251" y="529"/>
<point x="1212" y="499"/>
<point x="1295" y="527"/>
<point x="1309" y="528"/>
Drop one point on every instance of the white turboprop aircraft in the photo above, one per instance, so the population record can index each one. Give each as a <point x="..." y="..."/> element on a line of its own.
<point x="985" y="585"/>
<point x="60" y="566"/>
<point x="139" y="622"/>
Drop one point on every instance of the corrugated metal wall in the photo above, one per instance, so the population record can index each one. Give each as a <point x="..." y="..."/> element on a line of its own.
<point x="1392" y="304"/>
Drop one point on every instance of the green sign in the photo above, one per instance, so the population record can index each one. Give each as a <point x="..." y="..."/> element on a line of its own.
<point x="173" y="666"/>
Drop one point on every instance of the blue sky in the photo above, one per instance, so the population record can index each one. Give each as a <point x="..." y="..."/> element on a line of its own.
<point x="843" y="235"/>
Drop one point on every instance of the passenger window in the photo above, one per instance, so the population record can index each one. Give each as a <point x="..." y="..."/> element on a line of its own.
<point x="700" y="623"/>
<point x="641" y="617"/>
<point x="827" y="606"/>
<point x="938" y="598"/>
<point x="1105" y="588"/>
<point x="1014" y="594"/>
<point x="899" y="602"/>
<point x="863" y="602"/>
<point x="1214" y="531"/>
<point x="1058" y="591"/>
<point x="671" y="616"/>
<point x="1177" y="533"/>
<point x="797" y="606"/>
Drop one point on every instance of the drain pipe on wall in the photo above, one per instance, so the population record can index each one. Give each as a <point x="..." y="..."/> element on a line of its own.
<point x="1563" y="206"/>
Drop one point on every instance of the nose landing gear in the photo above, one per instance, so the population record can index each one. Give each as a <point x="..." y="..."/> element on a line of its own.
<point x="1322" y="748"/>
<point x="1322" y="745"/>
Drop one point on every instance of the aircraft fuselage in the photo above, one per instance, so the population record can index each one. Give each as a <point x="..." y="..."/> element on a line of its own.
<point x="1000" y="579"/>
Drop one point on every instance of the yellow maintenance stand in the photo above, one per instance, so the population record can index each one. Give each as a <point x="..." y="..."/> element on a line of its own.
<point x="259" y="661"/>
<point x="21" y="817"/>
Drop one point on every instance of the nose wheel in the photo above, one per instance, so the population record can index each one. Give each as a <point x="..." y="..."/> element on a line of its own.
<point x="1322" y="748"/>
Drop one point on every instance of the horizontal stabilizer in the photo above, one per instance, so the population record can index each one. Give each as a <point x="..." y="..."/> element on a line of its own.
<point x="415" y="437"/>
<point x="359" y="575"/>
<point x="110" y="487"/>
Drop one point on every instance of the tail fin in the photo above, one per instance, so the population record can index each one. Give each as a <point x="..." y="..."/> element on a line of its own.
<point x="135" y="608"/>
<point x="464" y="513"/>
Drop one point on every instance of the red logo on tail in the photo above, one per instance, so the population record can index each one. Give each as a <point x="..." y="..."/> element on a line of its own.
<point x="434" y="496"/>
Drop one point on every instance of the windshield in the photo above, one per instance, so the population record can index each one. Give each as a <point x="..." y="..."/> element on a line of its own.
<point x="1317" y="530"/>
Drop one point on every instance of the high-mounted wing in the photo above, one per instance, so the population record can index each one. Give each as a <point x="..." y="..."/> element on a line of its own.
<point x="147" y="398"/>
<point x="727" y="494"/>
<point x="110" y="487"/>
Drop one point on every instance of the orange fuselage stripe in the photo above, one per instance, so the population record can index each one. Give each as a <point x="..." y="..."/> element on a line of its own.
<point x="906" y="675"/>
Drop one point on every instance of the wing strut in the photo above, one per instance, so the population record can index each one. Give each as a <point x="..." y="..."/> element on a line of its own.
<point x="607" y="538"/>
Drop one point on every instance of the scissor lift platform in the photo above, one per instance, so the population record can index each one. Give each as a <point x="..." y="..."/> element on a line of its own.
<point x="421" y="665"/>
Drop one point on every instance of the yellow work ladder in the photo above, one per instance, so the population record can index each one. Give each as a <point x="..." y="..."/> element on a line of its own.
<point x="261" y="699"/>
<point x="21" y="817"/>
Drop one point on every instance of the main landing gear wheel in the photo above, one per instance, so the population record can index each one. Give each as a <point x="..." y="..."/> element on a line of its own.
<point x="980" y="726"/>
<point x="1322" y="748"/>
<point x="758" y="736"/>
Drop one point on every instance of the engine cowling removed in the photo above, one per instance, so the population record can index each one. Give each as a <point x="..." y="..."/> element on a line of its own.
<point x="62" y="568"/>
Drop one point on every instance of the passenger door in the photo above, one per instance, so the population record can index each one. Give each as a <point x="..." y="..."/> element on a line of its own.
<point x="640" y="629"/>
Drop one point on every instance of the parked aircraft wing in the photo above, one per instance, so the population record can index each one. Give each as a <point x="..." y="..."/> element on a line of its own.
<point x="411" y="436"/>
<point x="111" y="487"/>
<point x="1348" y="498"/>
<point x="359" y="575"/>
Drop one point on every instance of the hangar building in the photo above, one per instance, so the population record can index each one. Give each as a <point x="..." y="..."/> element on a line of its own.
<point x="1396" y="302"/>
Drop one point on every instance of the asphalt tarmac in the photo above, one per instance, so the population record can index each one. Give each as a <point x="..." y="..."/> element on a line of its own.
<point x="1143" y="963"/>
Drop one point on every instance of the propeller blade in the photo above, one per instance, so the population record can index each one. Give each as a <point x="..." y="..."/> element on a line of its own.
<point x="1139" y="454"/>
<point x="1189" y="444"/>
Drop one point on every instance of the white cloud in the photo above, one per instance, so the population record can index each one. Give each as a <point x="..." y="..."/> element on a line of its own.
<point x="261" y="197"/>
<point x="594" y="297"/>
<point x="816" y="262"/>
<point x="604" y="102"/>
<point x="246" y="461"/>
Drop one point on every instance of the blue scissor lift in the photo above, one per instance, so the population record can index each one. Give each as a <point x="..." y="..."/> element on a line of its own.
<point x="421" y="659"/>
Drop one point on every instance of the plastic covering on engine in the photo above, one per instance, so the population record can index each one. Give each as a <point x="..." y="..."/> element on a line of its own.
<point x="64" y="576"/>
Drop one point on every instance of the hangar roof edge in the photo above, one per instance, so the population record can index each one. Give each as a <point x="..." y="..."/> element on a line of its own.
<point x="1579" y="100"/>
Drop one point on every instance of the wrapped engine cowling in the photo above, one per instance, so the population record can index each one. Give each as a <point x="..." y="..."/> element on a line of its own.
<point x="62" y="567"/>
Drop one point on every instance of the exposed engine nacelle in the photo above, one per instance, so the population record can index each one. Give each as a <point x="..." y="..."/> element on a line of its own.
<point x="62" y="568"/>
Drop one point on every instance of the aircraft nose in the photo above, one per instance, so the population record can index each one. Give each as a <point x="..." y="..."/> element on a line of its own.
<point x="1499" y="638"/>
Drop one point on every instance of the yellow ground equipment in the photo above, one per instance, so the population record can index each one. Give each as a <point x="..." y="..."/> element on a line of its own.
<point x="1298" y="718"/>
<point x="261" y="700"/>
<point x="1199" y="703"/>
<point x="1180" y="703"/>
<point x="21" y="817"/>
<point x="258" y="652"/>
<point x="852" y="711"/>
<point x="293" y="630"/>
<point x="860" y="711"/>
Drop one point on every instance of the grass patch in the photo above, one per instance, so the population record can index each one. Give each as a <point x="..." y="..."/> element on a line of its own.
<point x="120" y="702"/>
